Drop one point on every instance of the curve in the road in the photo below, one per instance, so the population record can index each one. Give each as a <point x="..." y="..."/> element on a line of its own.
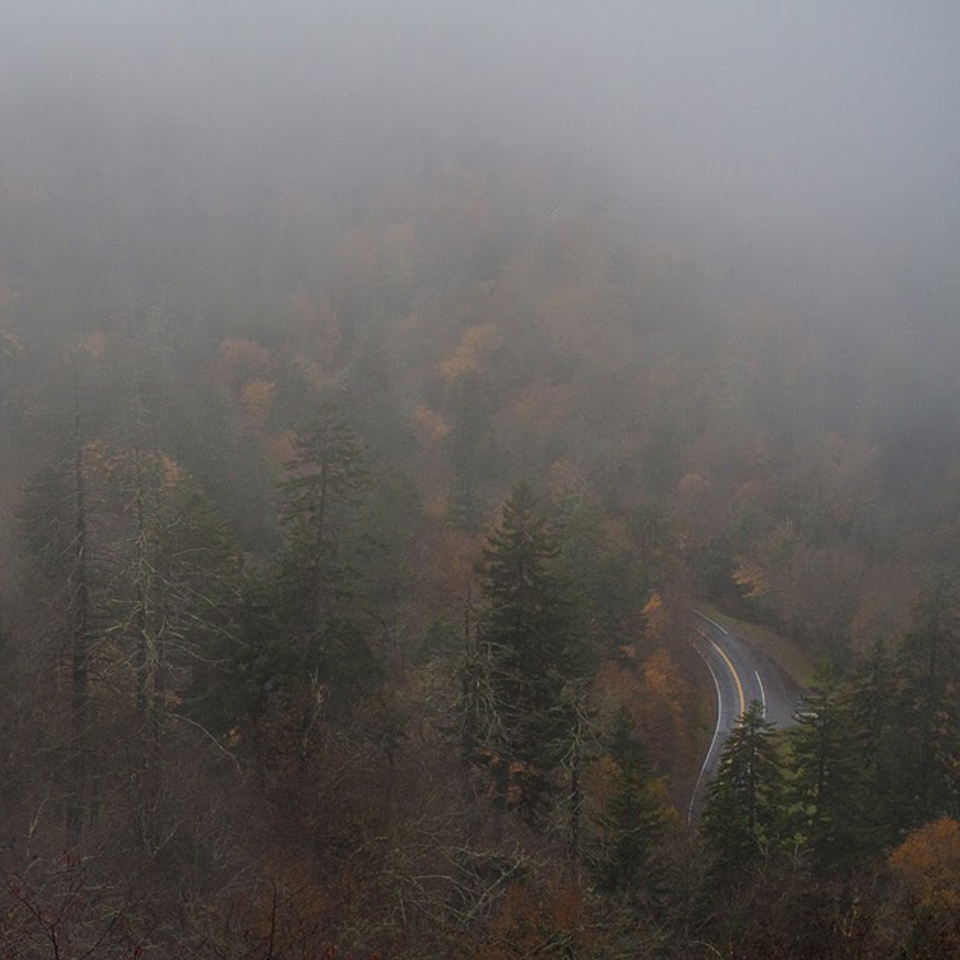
<point x="733" y="672"/>
<point x="713" y="742"/>
<point x="738" y="671"/>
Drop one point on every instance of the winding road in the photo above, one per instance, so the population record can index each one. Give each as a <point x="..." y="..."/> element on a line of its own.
<point x="741" y="674"/>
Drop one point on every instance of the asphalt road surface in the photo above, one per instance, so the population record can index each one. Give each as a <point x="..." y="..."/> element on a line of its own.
<point x="741" y="674"/>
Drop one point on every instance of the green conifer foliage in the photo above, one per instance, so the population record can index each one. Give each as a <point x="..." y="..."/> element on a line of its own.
<point x="744" y="813"/>
<point x="827" y="784"/>
<point x="318" y="586"/>
<point x="929" y="745"/>
<point x="529" y="640"/>
<point x="327" y="473"/>
<point x="872" y="706"/>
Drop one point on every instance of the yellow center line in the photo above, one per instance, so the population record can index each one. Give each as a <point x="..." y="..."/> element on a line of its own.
<point x="733" y="670"/>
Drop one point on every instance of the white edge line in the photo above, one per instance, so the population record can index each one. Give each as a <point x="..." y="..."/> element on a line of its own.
<point x="713" y="623"/>
<point x="713" y="742"/>
<point x="763" y="696"/>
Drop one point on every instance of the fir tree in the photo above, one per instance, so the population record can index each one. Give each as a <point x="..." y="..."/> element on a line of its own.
<point x="744" y="813"/>
<point x="872" y="707"/>
<point x="929" y="748"/>
<point x="317" y="586"/>
<point x="327" y="473"/>
<point x="826" y="788"/>
<point x="530" y="644"/>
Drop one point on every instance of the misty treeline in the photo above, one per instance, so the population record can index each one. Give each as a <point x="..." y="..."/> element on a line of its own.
<point x="346" y="609"/>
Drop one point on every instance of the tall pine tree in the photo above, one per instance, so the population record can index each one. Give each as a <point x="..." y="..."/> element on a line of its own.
<point x="745" y="810"/>
<point x="929" y="748"/>
<point x="318" y="586"/>
<point x="531" y="649"/>
<point x="872" y="705"/>
<point x="826" y="789"/>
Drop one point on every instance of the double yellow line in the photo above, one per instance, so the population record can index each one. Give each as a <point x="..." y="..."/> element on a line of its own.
<point x="733" y="670"/>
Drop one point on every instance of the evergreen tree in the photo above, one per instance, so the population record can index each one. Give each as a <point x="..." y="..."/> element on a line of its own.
<point x="929" y="748"/>
<point x="745" y="808"/>
<point x="529" y="641"/>
<point x="327" y="473"/>
<point x="633" y="819"/>
<point x="318" y="586"/>
<point x="872" y="706"/>
<point x="606" y="574"/>
<point x="826" y="788"/>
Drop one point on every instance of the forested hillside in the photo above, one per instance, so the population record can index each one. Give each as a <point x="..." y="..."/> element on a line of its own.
<point x="353" y="514"/>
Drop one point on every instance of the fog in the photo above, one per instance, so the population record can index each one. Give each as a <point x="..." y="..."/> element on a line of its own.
<point x="419" y="419"/>
<point x="805" y="152"/>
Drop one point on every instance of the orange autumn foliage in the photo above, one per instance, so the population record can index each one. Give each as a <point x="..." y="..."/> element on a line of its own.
<point x="476" y="344"/>
<point x="662" y="677"/>
<point x="657" y="617"/>
<point x="750" y="576"/>
<point x="241" y="361"/>
<point x="656" y="695"/>
<point x="430" y="426"/>
<point x="532" y="924"/>
<point x="929" y="861"/>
